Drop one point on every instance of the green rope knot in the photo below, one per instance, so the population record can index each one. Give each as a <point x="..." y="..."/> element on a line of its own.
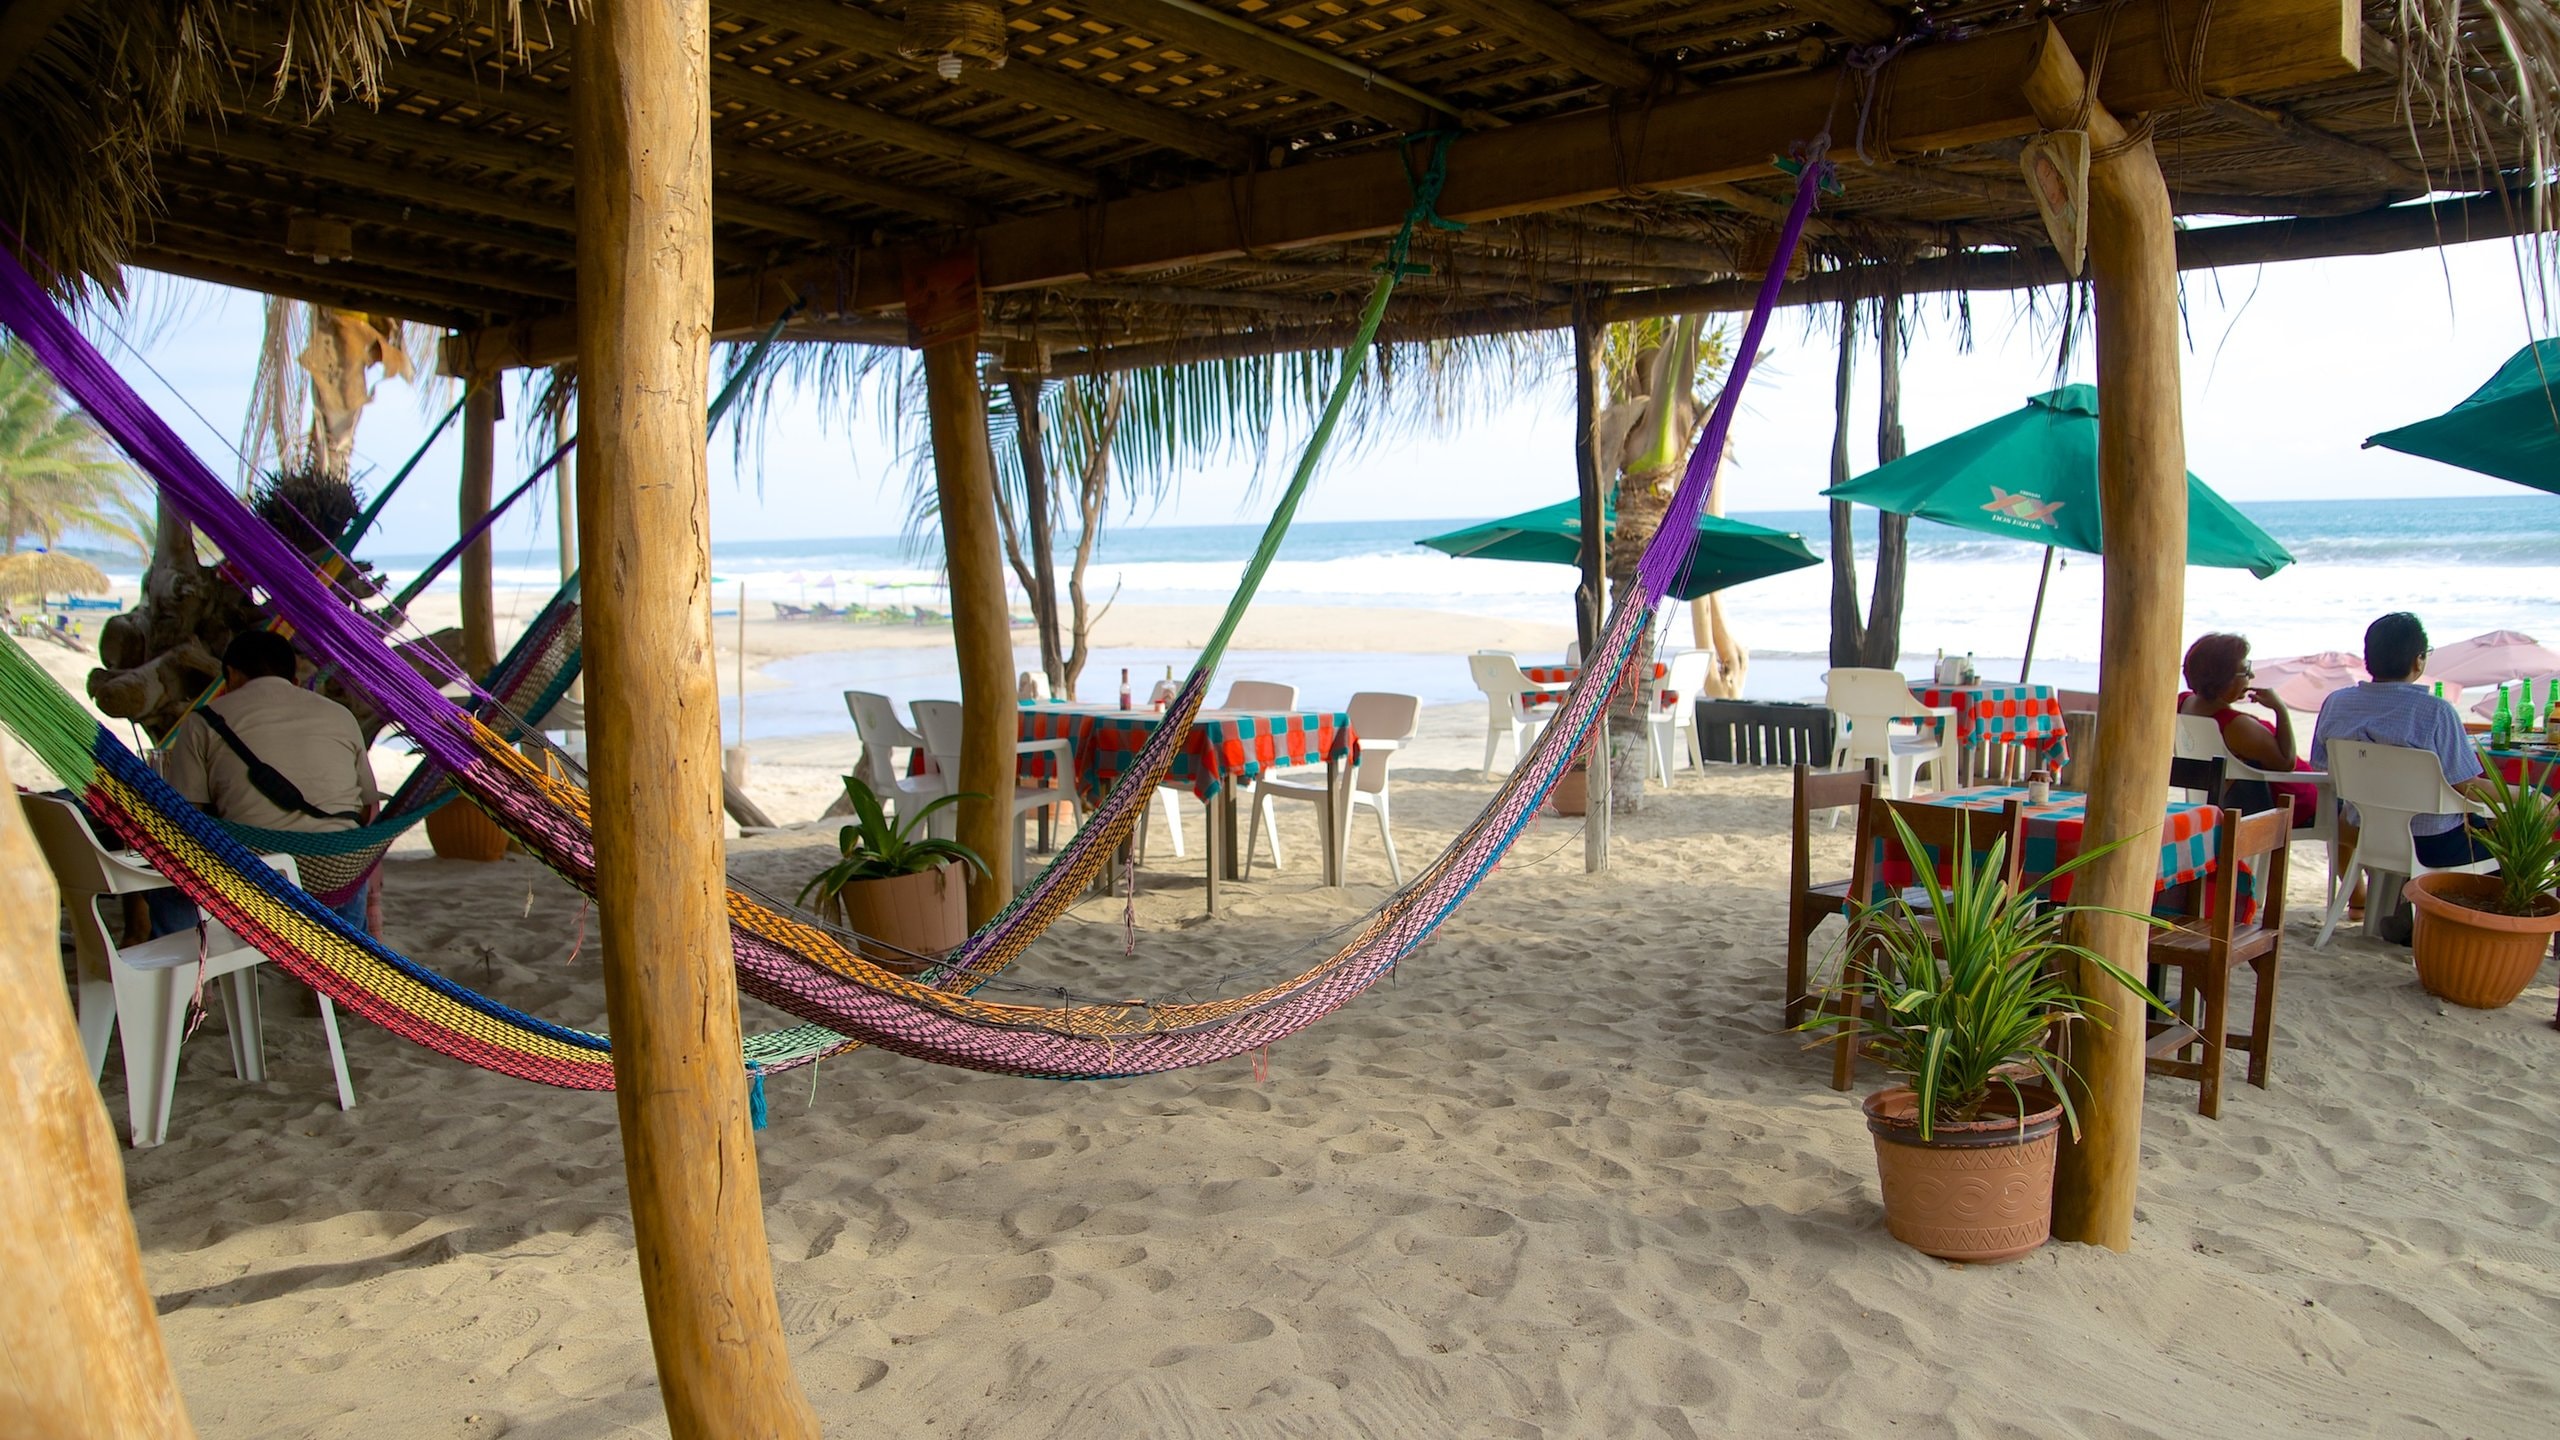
<point x="1426" y="185"/>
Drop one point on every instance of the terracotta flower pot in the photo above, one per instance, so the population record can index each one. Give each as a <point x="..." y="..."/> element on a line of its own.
<point x="1572" y="795"/>
<point x="458" y="831"/>
<point x="2471" y="956"/>
<point x="926" y="913"/>
<point x="1977" y="1190"/>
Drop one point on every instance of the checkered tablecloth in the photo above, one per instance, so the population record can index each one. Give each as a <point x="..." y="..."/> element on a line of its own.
<point x="2028" y="715"/>
<point x="1565" y="675"/>
<point x="2518" y="761"/>
<point x="2187" y="839"/>
<point x="1224" y="746"/>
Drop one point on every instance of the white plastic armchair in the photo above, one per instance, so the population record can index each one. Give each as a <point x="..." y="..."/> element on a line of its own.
<point x="940" y="720"/>
<point x="1508" y="711"/>
<point x="2199" y="737"/>
<point x="139" y="993"/>
<point x="883" y="734"/>
<point x="2390" y="786"/>
<point x="1383" y="722"/>
<point x="1873" y="707"/>
<point x="1671" y="725"/>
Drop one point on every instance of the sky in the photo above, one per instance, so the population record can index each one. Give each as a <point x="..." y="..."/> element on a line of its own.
<point x="2287" y="368"/>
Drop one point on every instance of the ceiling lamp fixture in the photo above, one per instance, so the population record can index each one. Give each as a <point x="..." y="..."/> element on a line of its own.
<point x="953" y="34"/>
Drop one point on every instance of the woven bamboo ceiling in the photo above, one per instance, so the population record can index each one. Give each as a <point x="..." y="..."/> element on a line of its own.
<point x="1143" y="176"/>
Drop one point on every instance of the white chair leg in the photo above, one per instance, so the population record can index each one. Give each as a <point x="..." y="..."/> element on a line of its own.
<point x="1493" y="740"/>
<point x="1387" y="838"/>
<point x="1259" y="818"/>
<point x="1660" y="735"/>
<point x="246" y="1018"/>
<point x="337" y="1054"/>
<point x="2338" y="902"/>
<point x="97" y="1021"/>
<point x="1172" y="805"/>
<point x="1697" y="752"/>
<point x="151" y="1015"/>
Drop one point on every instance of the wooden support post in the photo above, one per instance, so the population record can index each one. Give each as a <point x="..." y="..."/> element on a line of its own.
<point x="644" y="306"/>
<point x="1591" y="608"/>
<point x="76" y="1320"/>
<point x="480" y="412"/>
<point x="2142" y="496"/>
<point x="943" y="312"/>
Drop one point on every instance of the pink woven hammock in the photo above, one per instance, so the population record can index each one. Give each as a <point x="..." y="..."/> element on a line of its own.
<point x="787" y="964"/>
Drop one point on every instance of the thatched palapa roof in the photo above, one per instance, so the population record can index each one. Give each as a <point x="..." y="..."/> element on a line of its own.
<point x="1147" y="178"/>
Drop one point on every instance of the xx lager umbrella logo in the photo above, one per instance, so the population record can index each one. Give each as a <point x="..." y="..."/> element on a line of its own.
<point x="2024" y="506"/>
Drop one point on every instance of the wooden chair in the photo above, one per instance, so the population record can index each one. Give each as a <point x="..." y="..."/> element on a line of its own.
<point x="2207" y="946"/>
<point x="1939" y="829"/>
<point x="1808" y="903"/>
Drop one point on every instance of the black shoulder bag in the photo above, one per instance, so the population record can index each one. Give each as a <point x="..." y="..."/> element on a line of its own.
<point x="267" y="779"/>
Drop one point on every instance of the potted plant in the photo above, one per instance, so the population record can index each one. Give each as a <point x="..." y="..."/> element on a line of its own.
<point x="1965" y="1004"/>
<point x="901" y="891"/>
<point x="2480" y="938"/>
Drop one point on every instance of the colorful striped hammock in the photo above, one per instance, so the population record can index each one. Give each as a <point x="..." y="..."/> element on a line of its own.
<point x="782" y="960"/>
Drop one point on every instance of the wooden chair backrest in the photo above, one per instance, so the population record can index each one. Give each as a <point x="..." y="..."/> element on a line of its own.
<point x="2261" y="842"/>
<point x="1823" y="790"/>
<point x="1940" y="828"/>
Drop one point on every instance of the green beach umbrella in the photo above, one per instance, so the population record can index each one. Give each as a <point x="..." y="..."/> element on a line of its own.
<point x="2032" y="475"/>
<point x="2509" y="427"/>
<point x="1730" y="552"/>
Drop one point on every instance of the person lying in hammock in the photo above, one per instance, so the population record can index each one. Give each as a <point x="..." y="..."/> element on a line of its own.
<point x="269" y="754"/>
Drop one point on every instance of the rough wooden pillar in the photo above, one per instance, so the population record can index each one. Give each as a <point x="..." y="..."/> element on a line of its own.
<point x="76" y="1320"/>
<point x="1591" y="607"/>
<point x="2142" y="495"/>
<point x="644" y="315"/>
<point x="480" y="412"/>
<point x="981" y="627"/>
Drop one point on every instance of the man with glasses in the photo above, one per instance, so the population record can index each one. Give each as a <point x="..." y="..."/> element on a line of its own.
<point x="2394" y="709"/>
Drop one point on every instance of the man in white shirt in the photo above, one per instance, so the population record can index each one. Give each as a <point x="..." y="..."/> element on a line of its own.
<point x="269" y="754"/>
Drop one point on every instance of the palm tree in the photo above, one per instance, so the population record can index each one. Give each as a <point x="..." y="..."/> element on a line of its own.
<point x="57" y="473"/>
<point x="1069" y="451"/>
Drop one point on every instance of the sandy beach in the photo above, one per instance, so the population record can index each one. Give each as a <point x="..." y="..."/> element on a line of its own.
<point x="1562" y="1175"/>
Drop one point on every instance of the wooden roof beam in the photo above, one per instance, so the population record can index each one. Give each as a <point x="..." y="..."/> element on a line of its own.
<point x="859" y="29"/>
<point x="2478" y="217"/>
<point x="351" y="288"/>
<point x="862" y="122"/>
<point x="1542" y="27"/>
<point x="408" y="216"/>
<point x="1238" y="41"/>
<point x="1945" y="97"/>
<point x="1864" y="22"/>
<point x="2284" y="127"/>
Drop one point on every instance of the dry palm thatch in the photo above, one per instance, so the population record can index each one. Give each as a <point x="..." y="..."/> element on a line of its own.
<point x="36" y="573"/>
<point x="92" y="97"/>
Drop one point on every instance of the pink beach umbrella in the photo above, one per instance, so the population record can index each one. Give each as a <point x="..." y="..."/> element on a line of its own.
<point x="2306" y="680"/>
<point x="2489" y="659"/>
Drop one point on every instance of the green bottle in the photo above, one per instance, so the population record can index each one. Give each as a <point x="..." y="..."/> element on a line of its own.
<point x="2439" y="689"/>
<point x="2551" y="714"/>
<point x="2502" y="721"/>
<point x="2524" y="729"/>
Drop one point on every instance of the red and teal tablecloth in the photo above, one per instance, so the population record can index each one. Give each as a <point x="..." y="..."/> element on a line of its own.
<point x="1566" y="674"/>
<point x="1224" y="746"/>
<point x="2517" y="761"/>
<point x="2054" y="828"/>
<point x="2015" y="714"/>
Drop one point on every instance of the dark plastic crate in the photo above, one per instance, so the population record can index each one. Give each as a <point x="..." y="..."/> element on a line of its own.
<point x="1764" y="732"/>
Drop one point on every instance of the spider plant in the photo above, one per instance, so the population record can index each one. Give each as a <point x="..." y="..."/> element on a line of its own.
<point x="875" y="847"/>
<point x="2523" y="836"/>
<point x="1962" y="999"/>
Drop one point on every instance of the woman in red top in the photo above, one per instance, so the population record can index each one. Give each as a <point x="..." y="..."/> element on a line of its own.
<point x="2218" y="676"/>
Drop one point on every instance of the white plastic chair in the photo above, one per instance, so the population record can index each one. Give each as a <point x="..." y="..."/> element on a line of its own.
<point x="2199" y="737"/>
<point x="1508" y="712"/>
<point x="941" y="724"/>
<point x="2390" y="785"/>
<point x="1383" y="722"/>
<point x="1668" y="726"/>
<point x="140" y="993"/>
<point x="1869" y="703"/>
<point x="1262" y="696"/>
<point x="883" y="734"/>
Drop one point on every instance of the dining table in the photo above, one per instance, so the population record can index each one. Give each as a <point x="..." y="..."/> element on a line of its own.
<point x="1563" y="675"/>
<point x="1994" y="713"/>
<point x="2055" y="829"/>
<point x="1219" y="759"/>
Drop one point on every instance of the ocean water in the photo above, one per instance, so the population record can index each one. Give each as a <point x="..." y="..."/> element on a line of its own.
<point x="2465" y="565"/>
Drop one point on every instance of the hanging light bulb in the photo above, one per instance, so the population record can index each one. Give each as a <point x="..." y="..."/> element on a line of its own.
<point x="953" y="34"/>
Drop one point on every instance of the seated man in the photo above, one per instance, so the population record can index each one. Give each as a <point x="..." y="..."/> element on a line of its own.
<point x="269" y="754"/>
<point x="2393" y="709"/>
